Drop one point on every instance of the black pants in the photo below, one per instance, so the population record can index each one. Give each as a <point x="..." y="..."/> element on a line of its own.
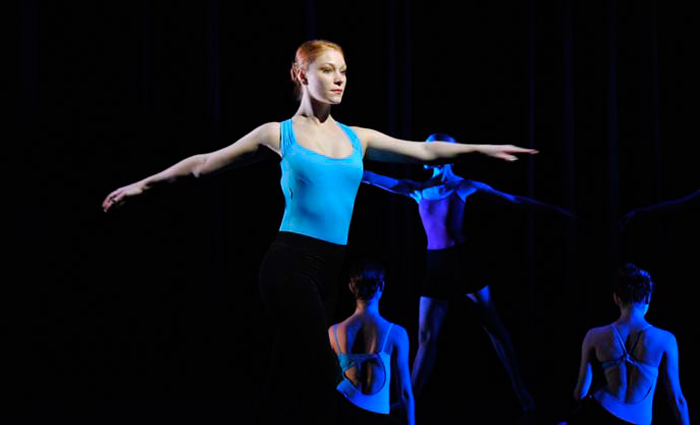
<point x="298" y="286"/>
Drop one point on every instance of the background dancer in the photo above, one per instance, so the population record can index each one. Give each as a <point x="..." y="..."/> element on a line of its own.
<point x="633" y="354"/>
<point x="371" y="350"/>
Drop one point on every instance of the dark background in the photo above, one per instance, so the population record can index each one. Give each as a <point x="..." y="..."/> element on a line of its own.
<point x="152" y="314"/>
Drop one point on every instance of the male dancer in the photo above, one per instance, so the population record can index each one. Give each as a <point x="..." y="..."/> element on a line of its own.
<point x="451" y="267"/>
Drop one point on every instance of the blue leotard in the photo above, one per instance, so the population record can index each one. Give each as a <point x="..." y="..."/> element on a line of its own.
<point x="378" y="402"/>
<point x="319" y="191"/>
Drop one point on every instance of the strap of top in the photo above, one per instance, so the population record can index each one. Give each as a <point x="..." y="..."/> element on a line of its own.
<point x="619" y="338"/>
<point x="386" y="337"/>
<point x="354" y="138"/>
<point x="639" y="335"/>
<point x="285" y="135"/>
<point x="337" y="344"/>
<point x="340" y="350"/>
<point x="622" y="342"/>
<point x="626" y="354"/>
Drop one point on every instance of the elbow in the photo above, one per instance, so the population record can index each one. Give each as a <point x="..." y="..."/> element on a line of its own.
<point x="199" y="166"/>
<point x="431" y="154"/>
<point x="681" y="403"/>
<point x="407" y="396"/>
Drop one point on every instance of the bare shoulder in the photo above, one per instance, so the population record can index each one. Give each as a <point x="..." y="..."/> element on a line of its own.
<point x="269" y="135"/>
<point x="361" y="132"/>
<point x="399" y="336"/>
<point x="270" y="127"/>
<point x="668" y="339"/>
<point x="332" y="335"/>
<point x="338" y="326"/>
<point x="364" y="134"/>
<point x="595" y="334"/>
<point x="368" y="135"/>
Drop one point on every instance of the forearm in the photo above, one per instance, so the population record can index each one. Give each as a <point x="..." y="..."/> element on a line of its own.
<point x="443" y="152"/>
<point x="538" y="206"/>
<point x="187" y="168"/>
<point x="680" y="410"/>
<point x="585" y="375"/>
<point x="408" y="404"/>
<point x="582" y="387"/>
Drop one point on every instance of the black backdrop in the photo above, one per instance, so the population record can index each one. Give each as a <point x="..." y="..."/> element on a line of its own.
<point x="152" y="313"/>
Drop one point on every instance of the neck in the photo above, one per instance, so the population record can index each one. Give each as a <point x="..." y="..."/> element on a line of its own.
<point x="310" y="108"/>
<point x="633" y="313"/>
<point x="367" y="308"/>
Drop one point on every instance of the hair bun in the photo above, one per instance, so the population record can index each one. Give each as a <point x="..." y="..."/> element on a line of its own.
<point x="633" y="284"/>
<point x="366" y="278"/>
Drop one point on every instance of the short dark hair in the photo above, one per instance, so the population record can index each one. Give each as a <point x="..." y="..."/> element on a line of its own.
<point x="366" y="277"/>
<point x="633" y="285"/>
<point x="441" y="137"/>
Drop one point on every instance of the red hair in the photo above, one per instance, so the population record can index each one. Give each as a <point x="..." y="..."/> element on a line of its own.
<point x="307" y="53"/>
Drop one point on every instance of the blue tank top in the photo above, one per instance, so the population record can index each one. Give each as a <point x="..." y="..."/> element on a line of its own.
<point x="319" y="191"/>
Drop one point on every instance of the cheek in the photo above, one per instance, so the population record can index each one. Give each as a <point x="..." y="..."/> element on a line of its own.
<point x="321" y="83"/>
<point x="316" y="81"/>
<point x="316" y="86"/>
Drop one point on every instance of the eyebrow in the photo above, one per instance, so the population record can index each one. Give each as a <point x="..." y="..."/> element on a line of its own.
<point x="333" y="65"/>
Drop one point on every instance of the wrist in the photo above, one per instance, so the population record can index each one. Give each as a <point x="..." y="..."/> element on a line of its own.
<point x="146" y="185"/>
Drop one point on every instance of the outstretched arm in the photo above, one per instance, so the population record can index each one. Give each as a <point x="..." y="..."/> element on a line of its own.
<point x="400" y="186"/>
<point x="689" y="202"/>
<point x="585" y="373"/>
<point x="380" y="147"/>
<point x="238" y="153"/>
<point x="519" y="201"/>
<point x="669" y="375"/>
<point x="403" y="375"/>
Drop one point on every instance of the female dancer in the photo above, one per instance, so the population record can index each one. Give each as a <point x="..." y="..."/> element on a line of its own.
<point x="633" y="354"/>
<point x="370" y="349"/>
<point x="321" y="162"/>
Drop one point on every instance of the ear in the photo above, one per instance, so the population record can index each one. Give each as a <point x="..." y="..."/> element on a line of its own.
<point x="616" y="299"/>
<point x="302" y="77"/>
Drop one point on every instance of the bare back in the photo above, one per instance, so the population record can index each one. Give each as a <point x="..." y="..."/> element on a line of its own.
<point x="631" y="356"/>
<point x="360" y="335"/>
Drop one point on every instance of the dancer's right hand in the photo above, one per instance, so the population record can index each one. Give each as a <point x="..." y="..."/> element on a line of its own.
<point x="119" y="196"/>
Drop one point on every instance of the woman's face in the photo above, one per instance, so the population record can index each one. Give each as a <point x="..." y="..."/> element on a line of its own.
<point x="325" y="78"/>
